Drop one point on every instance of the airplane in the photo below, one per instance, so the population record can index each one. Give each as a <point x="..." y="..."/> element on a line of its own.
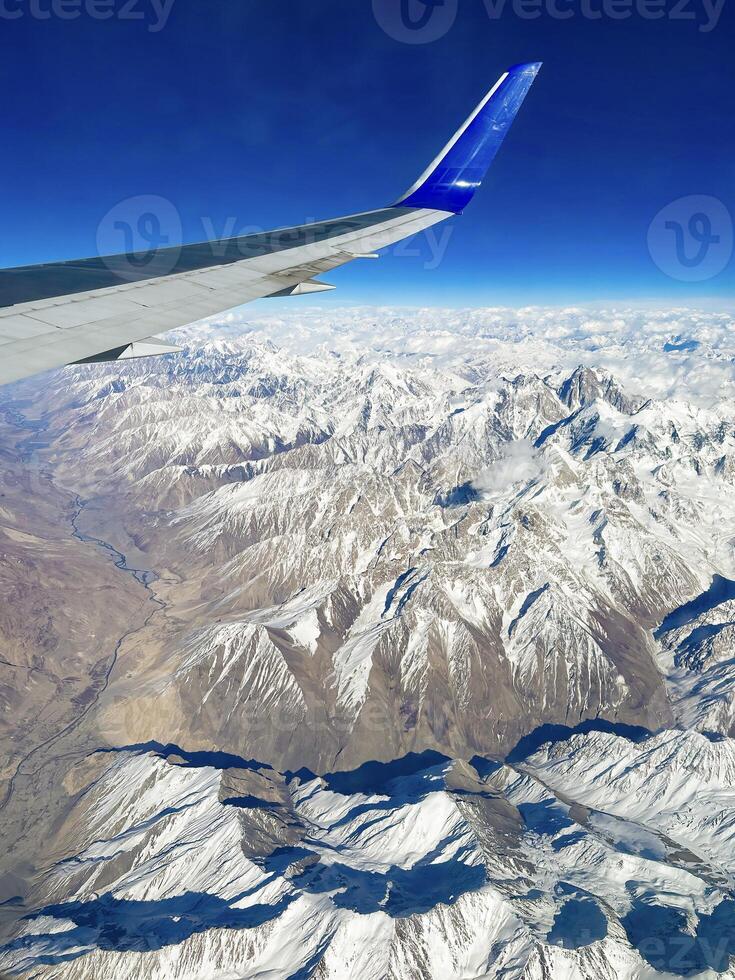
<point x="107" y="308"/>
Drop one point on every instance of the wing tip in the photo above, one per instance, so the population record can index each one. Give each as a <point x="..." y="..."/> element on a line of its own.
<point x="451" y="180"/>
<point x="531" y="67"/>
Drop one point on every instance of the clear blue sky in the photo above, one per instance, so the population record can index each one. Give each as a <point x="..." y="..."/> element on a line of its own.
<point x="274" y="112"/>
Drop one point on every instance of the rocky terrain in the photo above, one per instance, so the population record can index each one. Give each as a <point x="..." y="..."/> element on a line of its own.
<point x="410" y="646"/>
<point x="61" y="601"/>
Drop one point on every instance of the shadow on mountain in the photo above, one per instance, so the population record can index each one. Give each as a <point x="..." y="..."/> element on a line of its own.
<point x="458" y="496"/>
<point x="303" y="775"/>
<point x="251" y="803"/>
<point x="485" y="767"/>
<point x="283" y="858"/>
<point x="660" y="935"/>
<point x="546" y="818"/>
<point x="124" y="925"/>
<point x="399" y="892"/>
<point x="720" y="590"/>
<point x="546" y="734"/>
<point x="378" y="807"/>
<point x="527" y="604"/>
<point x="375" y="777"/>
<point x="393" y="592"/>
<point x="308" y="970"/>
<point x="694" y="652"/>
<point x="191" y="760"/>
<point x="579" y="922"/>
<point x="554" y="427"/>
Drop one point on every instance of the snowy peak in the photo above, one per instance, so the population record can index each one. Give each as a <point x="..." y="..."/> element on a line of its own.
<point x="585" y="385"/>
<point x="201" y="859"/>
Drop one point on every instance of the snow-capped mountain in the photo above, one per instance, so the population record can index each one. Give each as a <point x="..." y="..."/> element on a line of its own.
<point x="596" y="857"/>
<point x="433" y="674"/>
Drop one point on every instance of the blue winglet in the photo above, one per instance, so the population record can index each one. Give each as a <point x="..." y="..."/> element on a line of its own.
<point x="452" y="179"/>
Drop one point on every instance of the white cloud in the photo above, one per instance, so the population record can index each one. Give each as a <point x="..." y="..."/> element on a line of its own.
<point x="520" y="463"/>
<point x="626" y="342"/>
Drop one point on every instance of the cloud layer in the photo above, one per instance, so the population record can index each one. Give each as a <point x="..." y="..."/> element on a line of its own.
<point x="633" y="344"/>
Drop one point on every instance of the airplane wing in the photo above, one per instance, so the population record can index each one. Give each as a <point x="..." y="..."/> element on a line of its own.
<point x="108" y="307"/>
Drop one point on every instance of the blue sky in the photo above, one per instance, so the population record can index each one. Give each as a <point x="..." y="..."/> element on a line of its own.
<point x="274" y="112"/>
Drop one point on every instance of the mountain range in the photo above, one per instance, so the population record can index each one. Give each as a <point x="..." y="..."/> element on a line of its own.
<point x="374" y="644"/>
